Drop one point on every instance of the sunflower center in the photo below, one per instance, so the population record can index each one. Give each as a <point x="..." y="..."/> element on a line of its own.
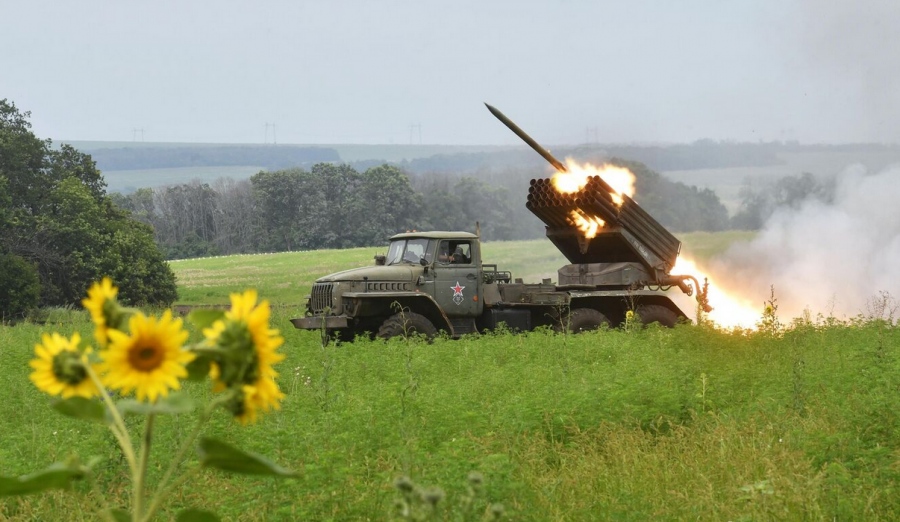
<point x="68" y="368"/>
<point x="145" y="358"/>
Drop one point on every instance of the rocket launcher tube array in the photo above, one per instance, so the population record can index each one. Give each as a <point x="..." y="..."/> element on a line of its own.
<point x="629" y="234"/>
<point x="646" y="241"/>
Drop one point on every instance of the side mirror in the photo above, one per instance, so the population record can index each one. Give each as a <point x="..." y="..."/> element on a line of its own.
<point x="380" y="259"/>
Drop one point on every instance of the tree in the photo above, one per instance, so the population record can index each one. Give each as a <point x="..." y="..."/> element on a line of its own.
<point x="57" y="218"/>
<point x="339" y="186"/>
<point x="385" y="204"/>
<point x="20" y="288"/>
<point x="292" y="209"/>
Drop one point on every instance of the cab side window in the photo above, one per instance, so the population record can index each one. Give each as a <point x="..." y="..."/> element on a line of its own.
<point x="454" y="253"/>
<point x="443" y="253"/>
<point x="462" y="253"/>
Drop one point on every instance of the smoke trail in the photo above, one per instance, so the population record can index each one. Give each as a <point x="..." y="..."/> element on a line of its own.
<point x="832" y="258"/>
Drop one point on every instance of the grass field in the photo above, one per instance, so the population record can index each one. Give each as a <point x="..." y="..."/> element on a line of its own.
<point x="687" y="423"/>
<point x="127" y="181"/>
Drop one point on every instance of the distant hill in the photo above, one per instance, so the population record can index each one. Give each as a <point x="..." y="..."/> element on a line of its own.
<point x="269" y="157"/>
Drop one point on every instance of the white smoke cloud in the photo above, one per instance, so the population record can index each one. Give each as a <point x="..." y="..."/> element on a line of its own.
<point x="830" y="258"/>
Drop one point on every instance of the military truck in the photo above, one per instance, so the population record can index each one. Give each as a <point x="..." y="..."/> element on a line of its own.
<point x="437" y="281"/>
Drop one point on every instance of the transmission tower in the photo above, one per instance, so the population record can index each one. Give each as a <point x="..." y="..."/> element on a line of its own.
<point x="274" y="136"/>
<point x="415" y="127"/>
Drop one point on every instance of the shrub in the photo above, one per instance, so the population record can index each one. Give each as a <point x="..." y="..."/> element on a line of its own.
<point x="20" y="289"/>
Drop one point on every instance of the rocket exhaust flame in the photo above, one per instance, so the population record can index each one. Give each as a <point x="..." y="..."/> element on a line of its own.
<point x="589" y="225"/>
<point x="576" y="177"/>
<point x="729" y="311"/>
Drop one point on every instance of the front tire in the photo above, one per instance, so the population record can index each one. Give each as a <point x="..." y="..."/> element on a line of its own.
<point x="652" y="313"/>
<point x="405" y="324"/>
<point x="584" y="320"/>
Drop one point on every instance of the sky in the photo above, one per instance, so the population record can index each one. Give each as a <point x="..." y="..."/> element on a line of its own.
<point x="398" y="71"/>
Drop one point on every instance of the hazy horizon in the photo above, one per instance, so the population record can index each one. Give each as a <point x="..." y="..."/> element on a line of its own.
<point x="403" y="72"/>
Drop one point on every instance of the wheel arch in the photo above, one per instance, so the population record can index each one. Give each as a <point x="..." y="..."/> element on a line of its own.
<point x="384" y="306"/>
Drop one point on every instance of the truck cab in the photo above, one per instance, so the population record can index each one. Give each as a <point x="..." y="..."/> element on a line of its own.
<point x="425" y="276"/>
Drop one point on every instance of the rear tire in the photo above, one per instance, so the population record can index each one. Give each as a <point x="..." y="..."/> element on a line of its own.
<point x="584" y="320"/>
<point x="405" y="324"/>
<point x="652" y="313"/>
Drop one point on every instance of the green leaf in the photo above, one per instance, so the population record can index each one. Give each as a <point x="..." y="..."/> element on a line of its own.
<point x="205" y="317"/>
<point x="196" y="515"/>
<point x="57" y="476"/>
<point x="81" y="408"/>
<point x="173" y="404"/>
<point x="198" y="369"/>
<point x="217" y="454"/>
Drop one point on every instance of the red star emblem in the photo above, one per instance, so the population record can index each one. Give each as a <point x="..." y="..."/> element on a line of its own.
<point x="457" y="290"/>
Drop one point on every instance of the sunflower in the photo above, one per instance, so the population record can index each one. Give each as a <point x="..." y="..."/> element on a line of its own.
<point x="104" y="309"/>
<point x="60" y="368"/>
<point x="248" y="353"/>
<point x="150" y="359"/>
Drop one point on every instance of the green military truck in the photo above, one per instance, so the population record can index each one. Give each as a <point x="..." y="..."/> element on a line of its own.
<point x="437" y="281"/>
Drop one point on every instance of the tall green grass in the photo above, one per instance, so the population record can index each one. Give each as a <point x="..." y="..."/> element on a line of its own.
<point x="662" y="424"/>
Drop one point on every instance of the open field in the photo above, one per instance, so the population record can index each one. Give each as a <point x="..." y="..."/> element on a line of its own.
<point x="657" y="424"/>
<point x="127" y="181"/>
<point x="285" y="278"/>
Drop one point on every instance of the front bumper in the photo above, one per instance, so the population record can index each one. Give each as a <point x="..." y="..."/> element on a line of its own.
<point x="330" y="322"/>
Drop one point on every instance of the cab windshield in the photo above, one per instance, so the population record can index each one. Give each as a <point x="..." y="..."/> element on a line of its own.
<point x="410" y="251"/>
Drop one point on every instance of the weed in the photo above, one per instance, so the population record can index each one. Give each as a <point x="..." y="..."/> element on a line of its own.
<point x="425" y="503"/>
<point x="882" y="307"/>
<point x="770" y="324"/>
<point x="706" y="405"/>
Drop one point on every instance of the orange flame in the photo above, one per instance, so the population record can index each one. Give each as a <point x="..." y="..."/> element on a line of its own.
<point x="589" y="225"/>
<point x="729" y="310"/>
<point x="619" y="178"/>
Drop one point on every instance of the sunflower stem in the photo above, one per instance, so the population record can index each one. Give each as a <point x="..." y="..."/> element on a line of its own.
<point x="164" y="487"/>
<point x="162" y="493"/>
<point x="141" y="475"/>
<point x="118" y="429"/>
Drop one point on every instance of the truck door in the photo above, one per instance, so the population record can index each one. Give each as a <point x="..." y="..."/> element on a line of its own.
<point x="457" y="285"/>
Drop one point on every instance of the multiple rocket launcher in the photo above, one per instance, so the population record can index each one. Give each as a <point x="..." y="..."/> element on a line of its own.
<point x="627" y="236"/>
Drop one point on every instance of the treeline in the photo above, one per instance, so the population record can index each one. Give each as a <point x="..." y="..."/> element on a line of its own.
<point x="758" y="203"/>
<point x="267" y="157"/>
<point x="701" y="154"/>
<point x="336" y="206"/>
<point x="59" y="231"/>
<point x="328" y="206"/>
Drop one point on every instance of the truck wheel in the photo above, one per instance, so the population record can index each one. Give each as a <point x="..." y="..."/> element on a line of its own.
<point x="657" y="314"/>
<point x="584" y="319"/>
<point x="403" y="324"/>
